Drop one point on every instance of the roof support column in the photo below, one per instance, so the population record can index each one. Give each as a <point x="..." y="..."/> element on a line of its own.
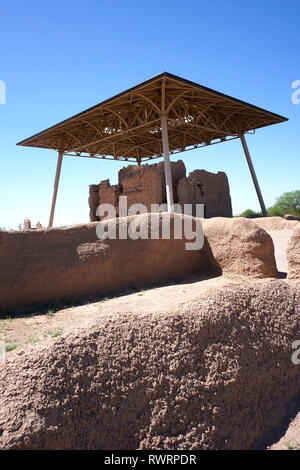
<point x="253" y="174"/>
<point x="167" y="164"/>
<point x="56" y="181"/>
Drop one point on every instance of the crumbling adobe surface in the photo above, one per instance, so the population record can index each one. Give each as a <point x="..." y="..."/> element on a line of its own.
<point x="146" y="185"/>
<point x="45" y="266"/>
<point x="109" y="194"/>
<point x="215" y="374"/>
<point x="276" y="223"/>
<point x="94" y="201"/>
<point x="240" y="246"/>
<point x="210" y="189"/>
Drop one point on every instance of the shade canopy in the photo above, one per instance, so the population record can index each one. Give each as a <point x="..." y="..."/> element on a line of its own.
<point x="128" y="126"/>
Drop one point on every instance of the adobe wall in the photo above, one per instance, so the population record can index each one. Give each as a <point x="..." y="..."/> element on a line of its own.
<point x="52" y="265"/>
<point x="214" y="374"/>
<point x="146" y="185"/>
<point x="210" y="189"/>
<point x="47" y="266"/>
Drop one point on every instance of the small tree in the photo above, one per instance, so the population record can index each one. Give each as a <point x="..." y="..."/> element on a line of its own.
<point x="275" y="211"/>
<point x="287" y="203"/>
<point x="249" y="213"/>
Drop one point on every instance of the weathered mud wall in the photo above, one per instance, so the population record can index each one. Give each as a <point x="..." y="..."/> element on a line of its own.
<point x="45" y="266"/>
<point x="94" y="201"/>
<point x="210" y="189"/>
<point x="216" y="374"/>
<point x="146" y="185"/>
<point x="276" y="223"/>
<point x="53" y="265"/>
<point x="240" y="246"/>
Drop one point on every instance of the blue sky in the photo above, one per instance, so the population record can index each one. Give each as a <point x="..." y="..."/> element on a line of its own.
<point x="61" y="57"/>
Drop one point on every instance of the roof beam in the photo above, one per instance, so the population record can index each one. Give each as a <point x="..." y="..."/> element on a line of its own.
<point x="112" y="136"/>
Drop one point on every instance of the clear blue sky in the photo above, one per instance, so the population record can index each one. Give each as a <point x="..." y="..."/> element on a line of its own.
<point x="61" y="57"/>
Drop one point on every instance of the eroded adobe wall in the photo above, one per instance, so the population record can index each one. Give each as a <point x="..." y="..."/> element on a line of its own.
<point x="210" y="189"/>
<point x="94" y="201"/>
<point x="42" y="267"/>
<point x="146" y="185"/>
<point x="215" y="374"/>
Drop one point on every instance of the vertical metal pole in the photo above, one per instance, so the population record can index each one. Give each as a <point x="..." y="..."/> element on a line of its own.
<point x="56" y="181"/>
<point x="253" y="174"/>
<point x="167" y="164"/>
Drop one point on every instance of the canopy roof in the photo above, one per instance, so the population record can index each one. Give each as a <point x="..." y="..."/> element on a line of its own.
<point x="128" y="125"/>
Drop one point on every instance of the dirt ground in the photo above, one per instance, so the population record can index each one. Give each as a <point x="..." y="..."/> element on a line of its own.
<point x="280" y="239"/>
<point x="19" y="330"/>
<point x="289" y="436"/>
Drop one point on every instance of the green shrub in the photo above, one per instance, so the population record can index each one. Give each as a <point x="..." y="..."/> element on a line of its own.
<point x="275" y="211"/>
<point x="249" y="213"/>
<point x="287" y="203"/>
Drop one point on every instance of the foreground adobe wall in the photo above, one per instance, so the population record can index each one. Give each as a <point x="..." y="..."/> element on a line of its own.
<point x="46" y="266"/>
<point x="216" y="374"/>
<point x="49" y="266"/>
<point x="146" y="185"/>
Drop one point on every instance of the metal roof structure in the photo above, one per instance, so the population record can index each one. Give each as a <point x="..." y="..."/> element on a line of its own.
<point x="163" y="115"/>
<point x="127" y="126"/>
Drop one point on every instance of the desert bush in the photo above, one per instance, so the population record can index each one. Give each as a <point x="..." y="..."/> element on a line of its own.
<point x="288" y="203"/>
<point x="250" y="213"/>
<point x="275" y="211"/>
<point x="247" y="212"/>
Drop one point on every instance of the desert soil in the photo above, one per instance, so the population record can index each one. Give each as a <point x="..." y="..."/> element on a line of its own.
<point x="280" y="239"/>
<point x="20" y="330"/>
<point x="288" y="435"/>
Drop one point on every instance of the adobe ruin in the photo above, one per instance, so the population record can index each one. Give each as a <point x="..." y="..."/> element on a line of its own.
<point x="145" y="184"/>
